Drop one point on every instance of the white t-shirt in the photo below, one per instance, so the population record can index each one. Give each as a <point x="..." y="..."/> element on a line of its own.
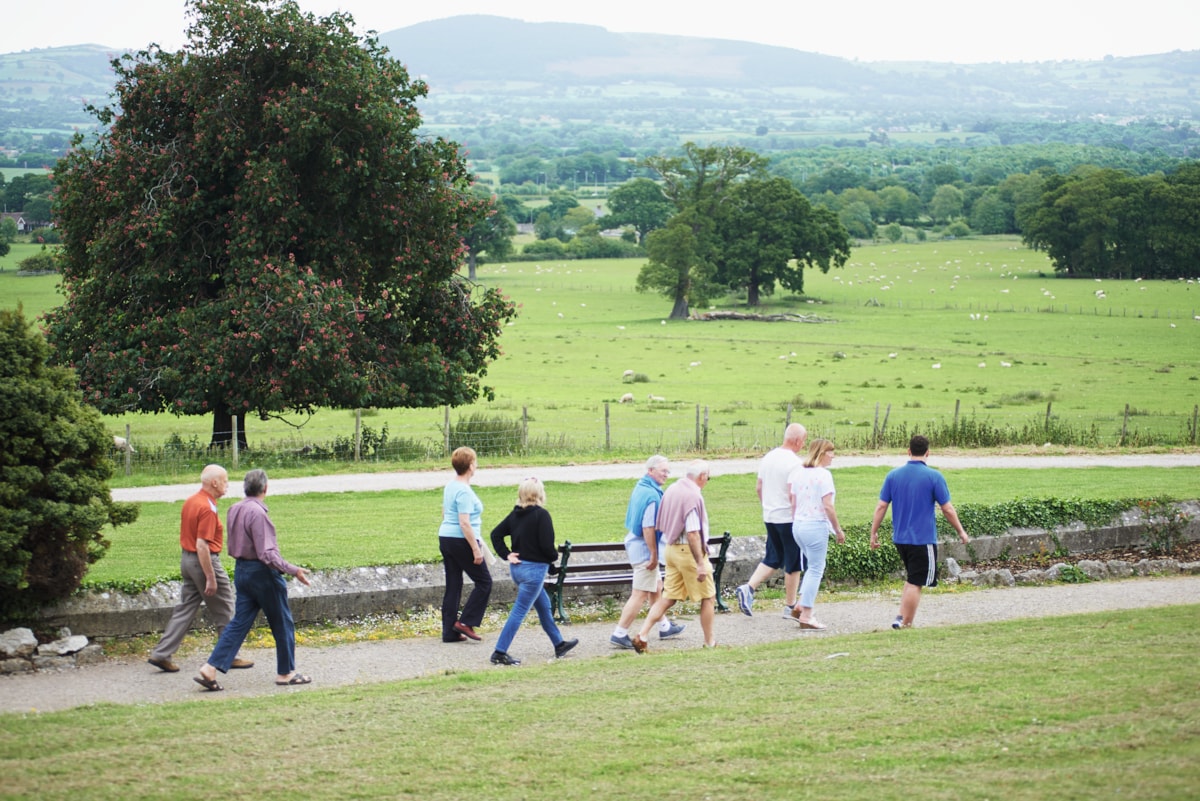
<point x="773" y="471"/>
<point x="810" y="485"/>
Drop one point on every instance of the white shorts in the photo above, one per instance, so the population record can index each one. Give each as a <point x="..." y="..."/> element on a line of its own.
<point x="645" y="578"/>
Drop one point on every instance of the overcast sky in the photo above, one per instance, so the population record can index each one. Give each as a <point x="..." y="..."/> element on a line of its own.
<point x="868" y="30"/>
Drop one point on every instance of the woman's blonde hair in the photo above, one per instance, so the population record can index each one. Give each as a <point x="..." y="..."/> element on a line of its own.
<point x="531" y="492"/>
<point x="818" y="448"/>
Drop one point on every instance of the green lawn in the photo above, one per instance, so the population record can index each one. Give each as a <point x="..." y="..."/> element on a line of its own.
<point x="1066" y="708"/>
<point x="341" y="530"/>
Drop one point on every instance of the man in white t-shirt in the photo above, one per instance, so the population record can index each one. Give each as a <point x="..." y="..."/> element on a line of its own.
<point x="782" y="551"/>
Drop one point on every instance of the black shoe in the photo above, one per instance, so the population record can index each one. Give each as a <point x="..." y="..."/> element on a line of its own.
<point x="501" y="658"/>
<point x="561" y="649"/>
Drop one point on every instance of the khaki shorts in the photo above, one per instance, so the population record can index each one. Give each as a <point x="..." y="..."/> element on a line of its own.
<point x="680" y="583"/>
<point x="645" y="578"/>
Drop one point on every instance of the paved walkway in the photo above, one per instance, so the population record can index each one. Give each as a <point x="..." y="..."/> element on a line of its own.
<point x="132" y="681"/>
<point x="511" y="476"/>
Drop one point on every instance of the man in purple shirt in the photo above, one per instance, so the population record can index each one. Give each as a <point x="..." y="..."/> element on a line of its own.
<point x="258" y="579"/>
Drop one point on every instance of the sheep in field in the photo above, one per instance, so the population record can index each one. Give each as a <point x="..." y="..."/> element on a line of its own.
<point x="658" y="398"/>
<point x="123" y="445"/>
<point x="626" y="398"/>
<point x="627" y="375"/>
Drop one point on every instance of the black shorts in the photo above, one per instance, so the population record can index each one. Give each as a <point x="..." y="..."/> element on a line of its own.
<point x="782" y="550"/>
<point x="920" y="564"/>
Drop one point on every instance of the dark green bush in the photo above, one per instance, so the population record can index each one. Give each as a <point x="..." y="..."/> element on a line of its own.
<point x="54" y="499"/>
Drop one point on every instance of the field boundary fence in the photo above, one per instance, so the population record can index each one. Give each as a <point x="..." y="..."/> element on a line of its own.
<point x="671" y="429"/>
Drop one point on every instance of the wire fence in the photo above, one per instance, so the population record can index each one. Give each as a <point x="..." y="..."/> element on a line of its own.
<point x="424" y="437"/>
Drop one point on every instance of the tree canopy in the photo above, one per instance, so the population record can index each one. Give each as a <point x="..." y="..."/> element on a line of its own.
<point x="734" y="227"/>
<point x="641" y="204"/>
<point x="259" y="228"/>
<point x="1105" y="223"/>
<point x="54" y="500"/>
<point x="768" y="233"/>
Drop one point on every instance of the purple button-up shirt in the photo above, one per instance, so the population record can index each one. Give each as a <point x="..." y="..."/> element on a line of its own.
<point x="251" y="535"/>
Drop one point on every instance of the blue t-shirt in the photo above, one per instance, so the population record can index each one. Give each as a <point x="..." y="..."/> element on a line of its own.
<point x="458" y="498"/>
<point x="914" y="491"/>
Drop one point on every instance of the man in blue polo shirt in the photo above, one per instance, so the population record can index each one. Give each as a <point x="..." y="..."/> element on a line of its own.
<point x="913" y="491"/>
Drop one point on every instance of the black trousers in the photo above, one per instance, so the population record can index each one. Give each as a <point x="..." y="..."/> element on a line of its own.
<point x="457" y="559"/>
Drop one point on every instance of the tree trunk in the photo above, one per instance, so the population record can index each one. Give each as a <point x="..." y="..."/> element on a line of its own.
<point x="680" y="312"/>
<point x="471" y="265"/>
<point x="222" y="430"/>
<point x="752" y="294"/>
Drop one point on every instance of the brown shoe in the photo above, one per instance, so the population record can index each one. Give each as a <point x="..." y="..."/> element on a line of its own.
<point x="796" y="612"/>
<point x="165" y="665"/>
<point x="241" y="664"/>
<point x="463" y="628"/>
<point x="639" y="644"/>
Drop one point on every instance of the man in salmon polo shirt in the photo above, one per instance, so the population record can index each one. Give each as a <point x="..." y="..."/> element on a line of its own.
<point x="201" y="537"/>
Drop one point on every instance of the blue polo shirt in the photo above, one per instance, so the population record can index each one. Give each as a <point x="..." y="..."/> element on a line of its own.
<point x="915" y="491"/>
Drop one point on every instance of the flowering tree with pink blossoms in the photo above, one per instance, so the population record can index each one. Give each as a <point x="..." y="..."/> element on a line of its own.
<point x="259" y="228"/>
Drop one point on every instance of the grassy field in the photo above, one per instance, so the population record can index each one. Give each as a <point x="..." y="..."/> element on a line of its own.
<point x="343" y="530"/>
<point x="1065" y="707"/>
<point x="908" y="333"/>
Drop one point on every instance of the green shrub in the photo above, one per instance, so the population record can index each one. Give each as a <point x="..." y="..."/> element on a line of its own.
<point x="54" y="499"/>
<point x="488" y="435"/>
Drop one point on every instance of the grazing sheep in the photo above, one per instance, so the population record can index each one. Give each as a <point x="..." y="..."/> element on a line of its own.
<point x="626" y="398"/>
<point x="627" y="375"/>
<point x="659" y="398"/>
<point x="123" y="445"/>
<point x="937" y="366"/>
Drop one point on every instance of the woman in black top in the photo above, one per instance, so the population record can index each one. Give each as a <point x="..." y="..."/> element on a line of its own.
<point x="531" y="532"/>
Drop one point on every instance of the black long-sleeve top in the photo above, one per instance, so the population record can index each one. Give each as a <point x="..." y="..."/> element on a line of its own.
<point x="531" y="532"/>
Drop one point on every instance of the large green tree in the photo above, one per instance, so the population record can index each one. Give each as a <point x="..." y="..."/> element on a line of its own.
<point x="697" y="183"/>
<point x="54" y="501"/>
<point x="259" y="228"/>
<point x="768" y="233"/>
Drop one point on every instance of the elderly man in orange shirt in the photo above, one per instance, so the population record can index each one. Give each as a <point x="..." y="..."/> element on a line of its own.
<point x="204" y="579"/>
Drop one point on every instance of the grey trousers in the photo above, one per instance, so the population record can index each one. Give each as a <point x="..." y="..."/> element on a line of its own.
<point x="220" y="605"/>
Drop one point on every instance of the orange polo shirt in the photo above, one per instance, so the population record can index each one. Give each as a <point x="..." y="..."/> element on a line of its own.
<point x="199" y="520"/>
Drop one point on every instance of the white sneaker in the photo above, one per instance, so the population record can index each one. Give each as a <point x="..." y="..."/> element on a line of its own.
<point x="745" y="599"/>
<point x="787" y="613"/>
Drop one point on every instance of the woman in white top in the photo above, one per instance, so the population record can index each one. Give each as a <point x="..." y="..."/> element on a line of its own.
<point x="811" y="489"/>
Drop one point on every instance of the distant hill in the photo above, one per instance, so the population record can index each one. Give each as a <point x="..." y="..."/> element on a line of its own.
<point x="480" y="48"/>
<point x="487" y="71"/>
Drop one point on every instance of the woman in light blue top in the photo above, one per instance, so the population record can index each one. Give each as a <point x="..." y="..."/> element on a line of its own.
<point x="811" y="489"/>
<point x="461" y="544"/>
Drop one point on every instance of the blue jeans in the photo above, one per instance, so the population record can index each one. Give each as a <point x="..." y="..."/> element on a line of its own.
<point x="258" y="587"/>
<point x="813" y="539"/>
<point x="530" y="578"/>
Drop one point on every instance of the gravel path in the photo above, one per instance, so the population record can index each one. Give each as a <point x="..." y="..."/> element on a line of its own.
<point x="511" y="476"/>
<point x="132" y="681"/>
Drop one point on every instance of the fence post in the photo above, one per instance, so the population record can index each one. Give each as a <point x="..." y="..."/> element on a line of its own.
<point x="129" y="452"/>
<point x="446" y="429"/>
<point x="1047" y="426"/>
<point x="788" y="420"/>
<point x="1124" y="425"/>
<point x="1195" y="409"/>
<point x="705" y="447"/>
<point x="607" y="429"/>
<point x="358" y="435"/>
<point x="524" y="427"/>
<point x="957" y="401"/>
<point x="887" y="413"/>
<point x="697" y="440"/>
<point x="234" y="419"/>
